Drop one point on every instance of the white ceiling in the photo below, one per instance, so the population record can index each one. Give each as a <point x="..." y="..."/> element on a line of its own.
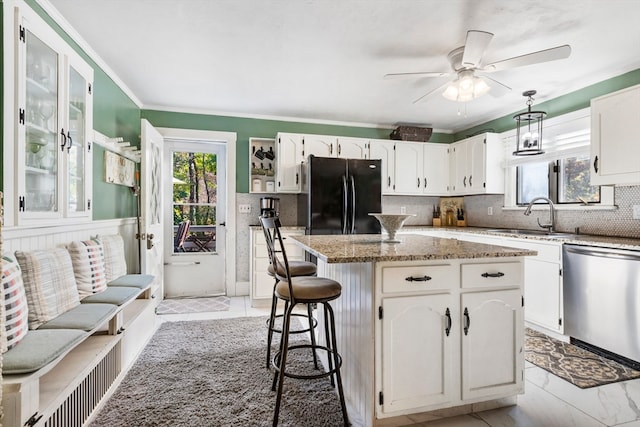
<point x="325" y="59"/>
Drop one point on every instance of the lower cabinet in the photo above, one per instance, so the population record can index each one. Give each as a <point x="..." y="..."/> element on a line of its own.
<point x="448" y="343"/>
<point x="261" y="286"/>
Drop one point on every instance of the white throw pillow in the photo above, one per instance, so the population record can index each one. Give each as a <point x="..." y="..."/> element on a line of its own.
<point x="114" y="260"/>
<point x="87" y="257"/>
<point x="15" y="321"/>
<point x="49" y="284"/>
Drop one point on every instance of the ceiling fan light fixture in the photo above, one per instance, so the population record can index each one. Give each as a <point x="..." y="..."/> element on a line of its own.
<point x="529" y="129"/>
<point x="466" y="87"/>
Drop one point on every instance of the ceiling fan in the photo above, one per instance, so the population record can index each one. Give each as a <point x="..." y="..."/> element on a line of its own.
<point x="467" y="60"/>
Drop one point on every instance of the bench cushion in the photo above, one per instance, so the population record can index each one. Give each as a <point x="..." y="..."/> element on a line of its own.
<point x="116" y="295"/>
<point x="39" y="348"/>
<point x="85" y="317"/>
<point x="140" y="281"/>
<point x="15" y="321"/>
<point x="87" y="257"/>
<point x="114" y="260"/>
<point x="49" y="284"/>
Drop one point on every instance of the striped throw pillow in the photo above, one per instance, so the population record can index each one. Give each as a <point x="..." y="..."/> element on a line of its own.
<point x="88" y="266"/>
<point x="15" y="319"/>
<point x="49" y="284"/>
<point x="114" y="260"/>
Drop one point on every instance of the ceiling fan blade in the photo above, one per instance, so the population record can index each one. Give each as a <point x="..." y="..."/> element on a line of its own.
<point x="498" y="89"/>
<point x="426" y="95"/>
<point x="414" y="75"/>
<point x="553" y="54"/>
<point x="474" y="47"/>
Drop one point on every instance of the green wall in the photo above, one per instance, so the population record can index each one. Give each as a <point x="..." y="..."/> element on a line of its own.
<point x="564" y="104"/>
<point x="262" y="128"/>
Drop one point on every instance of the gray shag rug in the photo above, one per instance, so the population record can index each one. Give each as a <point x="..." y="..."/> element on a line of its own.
<point x="212" y="373"/>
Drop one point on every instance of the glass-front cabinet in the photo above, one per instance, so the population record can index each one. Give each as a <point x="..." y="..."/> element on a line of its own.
<point x="54" y="121"/>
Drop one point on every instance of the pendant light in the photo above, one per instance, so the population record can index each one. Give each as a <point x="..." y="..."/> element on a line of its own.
<point x="529" y="129"/>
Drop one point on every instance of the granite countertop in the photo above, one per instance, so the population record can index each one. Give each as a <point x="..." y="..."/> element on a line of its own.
<point x="370" y="247"/>
<point x="576" y="239"/>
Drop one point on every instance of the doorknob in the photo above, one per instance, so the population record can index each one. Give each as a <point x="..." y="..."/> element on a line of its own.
<point x="149" y="240"/>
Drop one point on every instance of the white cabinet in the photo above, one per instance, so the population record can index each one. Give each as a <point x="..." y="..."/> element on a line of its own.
<point x="55" y="121"/>
<point x="319" y="145"/>
<point x="463" y="322"/>
<point x="288" y="163"/>
<point x="353" y="148"/>
<point x="615" y="146"/>
<point x="383" y="149"/>
<point x="262" y="165"/>
<point x="261" y="283"/>
<point x="435" y="169"/>
<point x="476" y="165"/>
<point x="409" y="160"/>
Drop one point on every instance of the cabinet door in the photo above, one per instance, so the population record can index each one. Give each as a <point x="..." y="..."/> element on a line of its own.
<point x="458" y="164"/>
<point x="417" y="364"/>
<point x="542" y="291"/>
<point x="79" y="127"/>
<point x="475" y="165"/>
<point x="353" y="148"/>
<point x="409" y="164"/>
<point x="288" y="159"/>
<point x="318" y="145"/>
<point x="384" y="150"/>
<point x="435" y="169"/>
<point x="492" y="343"/>
<point x="615" y="152"/>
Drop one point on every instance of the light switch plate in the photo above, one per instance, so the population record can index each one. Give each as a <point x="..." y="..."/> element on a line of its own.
<point x="636" y="211"/>
<point x="244" y="208"/>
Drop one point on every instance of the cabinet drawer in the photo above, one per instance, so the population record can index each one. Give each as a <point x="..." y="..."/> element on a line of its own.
<point x="418" y="278"/>
<point x="491" y="274"/>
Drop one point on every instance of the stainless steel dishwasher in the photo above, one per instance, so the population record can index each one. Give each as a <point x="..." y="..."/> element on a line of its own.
<point x="602" y="299"/>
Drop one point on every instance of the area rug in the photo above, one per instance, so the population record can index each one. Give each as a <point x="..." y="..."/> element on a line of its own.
<point x="580" y="367"/>
<point x="212" y="373"/>
<point x="193" y="305"/>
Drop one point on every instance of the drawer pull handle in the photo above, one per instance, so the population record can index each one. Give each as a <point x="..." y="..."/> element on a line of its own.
<point x="467" y="321"/>
<point x="417" y="279"/>
<point x="492" y="274"/>
<point x="447" y="314"/>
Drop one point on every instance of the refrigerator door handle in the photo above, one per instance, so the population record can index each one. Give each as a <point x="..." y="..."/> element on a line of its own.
<point x="345" y="201"/>
<point x="353" y="204"/>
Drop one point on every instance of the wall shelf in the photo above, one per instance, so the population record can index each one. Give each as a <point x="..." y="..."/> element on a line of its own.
<point x="117" y="145"/>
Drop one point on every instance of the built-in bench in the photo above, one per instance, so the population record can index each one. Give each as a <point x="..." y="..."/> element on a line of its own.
<point x="60" y="368"/>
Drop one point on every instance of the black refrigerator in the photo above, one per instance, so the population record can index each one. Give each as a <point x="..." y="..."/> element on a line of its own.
<point x="340" y="195"/>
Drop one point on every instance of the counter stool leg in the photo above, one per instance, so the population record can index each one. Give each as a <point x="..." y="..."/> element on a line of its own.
<point x="334" y="355"/>
<point x="285" y="315"/>
<point x="283" y="362"/>
<point x="313" y="335"/>
<point x="327" y="340"/>
<point x="272" y="321"/>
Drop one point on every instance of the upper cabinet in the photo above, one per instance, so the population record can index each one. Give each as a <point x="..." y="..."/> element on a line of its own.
<point x="615" y="146"/>
<point x="53" y="126"/>
<point x="288" y="163"/>
<point x="353" y="148"/>
<point x="384" y="150"/>
<point x="262" y="165"/>
<point x="476" y="165"/>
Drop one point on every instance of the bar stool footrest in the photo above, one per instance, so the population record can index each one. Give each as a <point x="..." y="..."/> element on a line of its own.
<point x="297" y="331"/>
<point x="275" y="362"/>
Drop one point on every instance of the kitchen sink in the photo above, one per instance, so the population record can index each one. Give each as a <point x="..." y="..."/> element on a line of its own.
<point x="541" y="233"/>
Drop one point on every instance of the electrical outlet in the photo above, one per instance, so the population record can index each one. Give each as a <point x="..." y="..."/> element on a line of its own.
<point x="490" y="210"/>
<point x="244" y="208"/>
<point x="636" y="211"/>
<point x="403" y="210"/>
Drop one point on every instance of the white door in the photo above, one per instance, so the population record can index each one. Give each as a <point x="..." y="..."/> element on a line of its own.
<point x="476" y="148"/>
<point x="353" y="148"/>
<point x="409" y="158"/>
<point x="436" y="169"/>
<point x="151" y="144"/>
<point x="288" y="161"/>
<point x="385" y="151"/>
<point x="195" y="190"/>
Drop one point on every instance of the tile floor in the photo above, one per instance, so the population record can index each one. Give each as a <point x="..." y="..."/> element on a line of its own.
<point x="548" y="400"/>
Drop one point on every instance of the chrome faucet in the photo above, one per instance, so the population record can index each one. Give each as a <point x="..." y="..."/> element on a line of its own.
<point x="552" y="217"/>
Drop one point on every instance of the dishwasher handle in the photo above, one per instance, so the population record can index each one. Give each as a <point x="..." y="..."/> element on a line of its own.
<point x="603" y="252"/>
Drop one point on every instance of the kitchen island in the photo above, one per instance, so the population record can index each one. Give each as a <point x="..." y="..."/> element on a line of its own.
<point x="427" y="328"/>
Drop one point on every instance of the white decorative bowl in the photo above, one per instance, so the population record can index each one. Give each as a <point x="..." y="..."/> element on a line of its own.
<point x="392" y="223"/>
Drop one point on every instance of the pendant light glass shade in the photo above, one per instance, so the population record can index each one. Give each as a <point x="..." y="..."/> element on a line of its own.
<point x="466" y="87"/>
<point x="529" y="129"/>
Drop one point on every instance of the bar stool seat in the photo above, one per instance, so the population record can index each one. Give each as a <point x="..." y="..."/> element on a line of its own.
<point x="296" y="268"/>
<point x="309" y="289"/>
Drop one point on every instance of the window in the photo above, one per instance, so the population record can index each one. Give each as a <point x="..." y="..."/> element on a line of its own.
<point x="561" y="173"/>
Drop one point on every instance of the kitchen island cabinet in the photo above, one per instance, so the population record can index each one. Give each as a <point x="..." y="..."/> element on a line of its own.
<point x="424" y="324"/>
